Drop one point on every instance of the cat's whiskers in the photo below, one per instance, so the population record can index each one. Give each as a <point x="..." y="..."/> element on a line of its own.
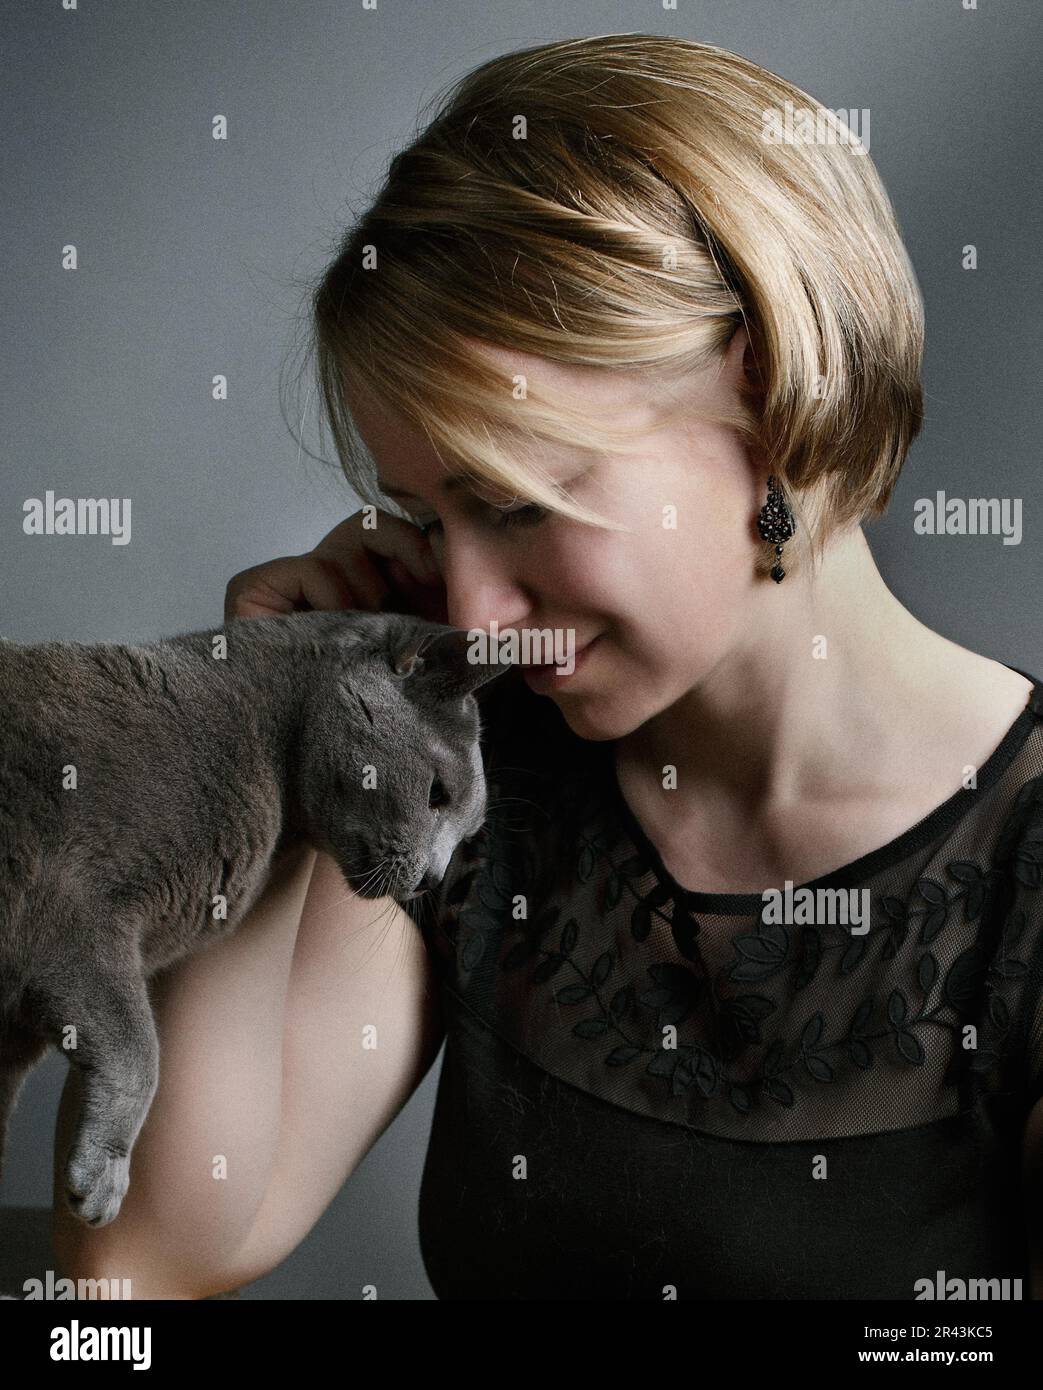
<point x="402" y="937"/>
<point x="504" y="800"/>
<point x="384" y="866"/>
<point x="523" y="829"/>
<point x="385" y="917"/>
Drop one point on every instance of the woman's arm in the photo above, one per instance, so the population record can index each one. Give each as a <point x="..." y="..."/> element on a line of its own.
<point x="267" y="1097"/>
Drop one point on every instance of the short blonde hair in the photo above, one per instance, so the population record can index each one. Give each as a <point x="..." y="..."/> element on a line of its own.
<point x="613" y="202"/>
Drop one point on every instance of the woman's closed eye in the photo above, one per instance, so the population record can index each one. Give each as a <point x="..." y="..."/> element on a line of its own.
<point x="529" y="514"/>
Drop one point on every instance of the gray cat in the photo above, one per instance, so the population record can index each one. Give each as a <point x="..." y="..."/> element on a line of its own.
<point x="144" y="792"/>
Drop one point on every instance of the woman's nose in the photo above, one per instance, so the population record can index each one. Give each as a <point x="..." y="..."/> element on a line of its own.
<point x="479" y="591"/>
<point x="480" y="617"/>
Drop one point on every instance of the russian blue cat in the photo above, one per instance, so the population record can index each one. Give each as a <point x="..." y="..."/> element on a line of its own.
<point x="144" y="793"/>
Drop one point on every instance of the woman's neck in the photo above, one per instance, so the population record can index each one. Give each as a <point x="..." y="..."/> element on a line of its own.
<point x="834" y="693"/>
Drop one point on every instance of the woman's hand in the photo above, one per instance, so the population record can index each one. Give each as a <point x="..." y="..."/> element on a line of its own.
<point x="390" y="568"/>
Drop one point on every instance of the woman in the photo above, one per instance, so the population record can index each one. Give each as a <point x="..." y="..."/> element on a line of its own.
<point x="671" y="364"/>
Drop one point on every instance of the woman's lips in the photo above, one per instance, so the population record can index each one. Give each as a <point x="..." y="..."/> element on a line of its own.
<point x="549" y="677"/>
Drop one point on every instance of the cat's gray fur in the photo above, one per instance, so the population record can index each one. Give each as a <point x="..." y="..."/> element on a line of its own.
<point x="192" y="773"/>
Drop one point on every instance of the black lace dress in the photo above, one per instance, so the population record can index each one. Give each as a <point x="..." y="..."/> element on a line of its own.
<point x="649" y="1092"/>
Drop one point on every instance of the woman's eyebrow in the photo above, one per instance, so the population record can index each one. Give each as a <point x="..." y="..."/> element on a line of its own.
<point x="452" y="482"/>
<point x="449" y="484"/>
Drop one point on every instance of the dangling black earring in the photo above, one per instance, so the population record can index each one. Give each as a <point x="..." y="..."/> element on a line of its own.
<point x="776" y="524"/>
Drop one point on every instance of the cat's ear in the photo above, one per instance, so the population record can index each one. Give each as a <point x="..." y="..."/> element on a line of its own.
<point x="443" y="660"/>
<point x="408" y="656"/>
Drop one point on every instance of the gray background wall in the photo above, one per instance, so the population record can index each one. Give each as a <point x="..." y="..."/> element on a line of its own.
<point x="191" y="253"/>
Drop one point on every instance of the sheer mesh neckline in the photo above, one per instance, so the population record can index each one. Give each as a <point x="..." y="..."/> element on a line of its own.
<point x="934" y="823"/>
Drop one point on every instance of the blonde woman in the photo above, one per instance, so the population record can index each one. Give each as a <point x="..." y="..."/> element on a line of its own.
<point x="609" y="362"/>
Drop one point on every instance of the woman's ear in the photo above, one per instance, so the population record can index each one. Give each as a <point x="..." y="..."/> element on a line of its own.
<point x="742" y="369"/>
<point x="740" y="362"/>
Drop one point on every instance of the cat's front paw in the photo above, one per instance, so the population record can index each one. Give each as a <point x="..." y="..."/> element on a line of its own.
<point x="96" y="1182"/>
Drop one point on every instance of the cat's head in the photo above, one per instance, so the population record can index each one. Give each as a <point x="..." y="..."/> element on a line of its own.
<point x="389" y="775"/>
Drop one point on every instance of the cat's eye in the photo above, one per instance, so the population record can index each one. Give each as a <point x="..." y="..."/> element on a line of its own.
<point x="437" y="796"/>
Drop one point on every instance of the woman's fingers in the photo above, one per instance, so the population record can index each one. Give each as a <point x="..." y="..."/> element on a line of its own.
<point x="286" y="585"/>
<point x="389" y="567"/>
<point x="422" y="600"/>
<point x="391" y="537"/>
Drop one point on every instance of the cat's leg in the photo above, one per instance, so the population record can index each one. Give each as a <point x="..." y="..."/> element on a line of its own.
<point x="19" y="1053"/>
<point x="115" y="1047"/>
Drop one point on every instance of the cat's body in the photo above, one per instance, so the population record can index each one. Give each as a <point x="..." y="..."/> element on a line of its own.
<point x="144" y="793"/>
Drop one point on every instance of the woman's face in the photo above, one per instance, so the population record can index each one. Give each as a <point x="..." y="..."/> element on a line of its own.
<point x="653" y="609"/>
